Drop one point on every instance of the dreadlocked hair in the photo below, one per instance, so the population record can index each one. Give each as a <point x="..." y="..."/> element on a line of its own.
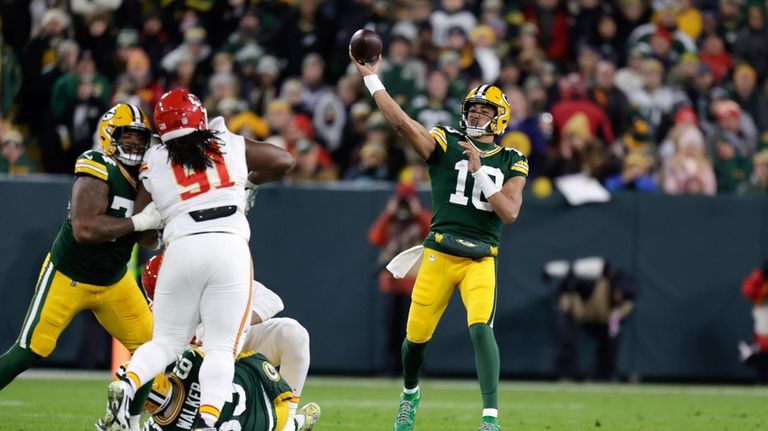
<point x="195" y="150"/>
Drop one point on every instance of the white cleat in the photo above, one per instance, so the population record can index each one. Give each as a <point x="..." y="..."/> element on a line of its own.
<point x="117" y="417"/>
<point x="311" y="413"/>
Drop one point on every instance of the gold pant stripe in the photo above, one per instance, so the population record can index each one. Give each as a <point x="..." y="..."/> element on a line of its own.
<point x="33" y="315"/>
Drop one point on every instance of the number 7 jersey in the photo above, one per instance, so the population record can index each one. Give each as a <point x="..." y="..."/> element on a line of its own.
<point x="177" y="191"/>
<point x="458" y="206"/>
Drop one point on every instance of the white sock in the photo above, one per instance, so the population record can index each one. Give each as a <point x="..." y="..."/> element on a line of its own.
<point x="216" y="375"/>
<point x="494" y="413"/>
<point x="294" y="355"/>
<point x="411" y="391"/>
<point x="299" y="421"/>
<point x="134" y="421"/>
<point x="148" y="361"/>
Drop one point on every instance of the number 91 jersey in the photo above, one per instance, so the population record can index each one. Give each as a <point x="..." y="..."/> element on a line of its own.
<point x="459" y="207"/>
<point x="177" y="190"/>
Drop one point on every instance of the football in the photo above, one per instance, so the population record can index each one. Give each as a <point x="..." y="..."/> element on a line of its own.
<point x="365" y="46"/>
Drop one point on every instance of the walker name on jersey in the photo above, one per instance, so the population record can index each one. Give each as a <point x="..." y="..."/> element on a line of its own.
<point x="191" y="405"/>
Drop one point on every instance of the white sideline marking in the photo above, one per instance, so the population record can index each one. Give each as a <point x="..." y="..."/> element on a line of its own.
<point x="623" y="388"/>
<point x="57" y="374"/>
<point x="12" y="403"/>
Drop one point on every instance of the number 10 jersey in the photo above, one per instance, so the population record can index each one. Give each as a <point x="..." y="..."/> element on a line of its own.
<point x="459" y="207"/>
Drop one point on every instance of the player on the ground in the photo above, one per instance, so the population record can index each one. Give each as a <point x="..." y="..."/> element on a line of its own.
<point x="258" y="399"/>
<point x="197" y="178"/>
<point x="86" y="267"/>
<point x="284" y="341"/>
<point x="476" y="186"/>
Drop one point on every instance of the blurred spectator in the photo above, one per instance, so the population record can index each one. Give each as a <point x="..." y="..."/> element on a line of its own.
<point x="450" y="15"/>
<point x="632" y="14"/>
<point x="606" y="39"/>
<point x="688" y="171"/>
<point x="458" y="41"/>
<point x="372" y="164"/>
<point x="279" y="114"/>
<point x="610" y="98"/>
<point x="402" y="74"/>
<point x="530" y="56"/>
<point x="65" y="89"/>
<point x="755" y="354"/>
<point x="629" y="79"/>
<point x="532" y="143"/>
<point x="85" y="8"/>
<point x="77" y="123"/>
<point x="258" y="81"/>
<point x="448" y="63"/>
<point x="700" y="92"/>
<point x="551" y="21"/>
<point x="139" y="82"/>
<point x="314" y="87"/>
<point x="10" y="78"/>
<point x="154" y="40"/>
<point x="99" y="40"/>
<point x="635" y="175"/>
<point x="246" y="35"/>
<point x="38" y="57"/>
<point x="244" y="122"/>
<point x="750" y="46"/>
<point x="220" y="86"/>
<point x="596" y="297"/>
<point x="714" y="55"/>
<point x="310" y="165"/>
<point x="13" y="160"/>
<point x="573" y="93"/>
<point x="689" y="19"/>
<point x="424" y="47"/>
<point x="331" y="113"/>
<point x="731" y="168"/>
<point x="292" y="91"/>
<point x="584" y="23"/>
<point x="735" y="126"/>
<point x="655" y="99"/>
<point x="748" y="96"/>
<point x="354" y="133"/>
<point x="758" y="181"/>
<point x="402" y="225"/>
<point x="578" y="151"/>
<point x="193" y="49"/>
<point x="666" y="42"/>
<point x="483" y="39"/>
<point x="434" y="107"/>
<point x="305" y="29"/>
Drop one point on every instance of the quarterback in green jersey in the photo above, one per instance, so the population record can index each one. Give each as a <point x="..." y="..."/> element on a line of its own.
<point x="86" y="268"/>
<point x="476" y="187"/>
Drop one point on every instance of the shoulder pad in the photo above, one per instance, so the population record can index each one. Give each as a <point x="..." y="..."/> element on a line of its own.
<point x="94" y="163"/>
<point x="515" y="150"/>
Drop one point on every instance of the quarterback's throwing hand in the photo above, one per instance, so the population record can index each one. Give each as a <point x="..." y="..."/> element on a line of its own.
<point x="473" y="155"/>
<point x="367" y="68"/>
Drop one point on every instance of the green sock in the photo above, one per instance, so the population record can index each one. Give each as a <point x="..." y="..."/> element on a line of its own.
<point x="490" y="419"/>
<point x="14" y="362"/>
<point x="486" y="362"/>
<point x="137" y="404"/>
<point x="413" y="356"/>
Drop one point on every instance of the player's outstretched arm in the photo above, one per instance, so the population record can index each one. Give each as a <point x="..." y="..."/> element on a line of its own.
<point x="266" y="161"/>
<point x="413" y="132"/>
<point x="90" y="224"/>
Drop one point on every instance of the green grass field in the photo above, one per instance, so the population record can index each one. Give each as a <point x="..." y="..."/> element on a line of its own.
<point x="67" y="404"/>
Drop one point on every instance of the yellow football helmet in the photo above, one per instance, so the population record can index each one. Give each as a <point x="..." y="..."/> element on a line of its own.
<point x="120" y="118"/>
<point x="492" y="96"/>
<point x="159" y="395"/>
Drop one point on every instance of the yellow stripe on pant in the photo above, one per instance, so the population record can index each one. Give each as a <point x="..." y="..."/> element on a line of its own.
<point x="439" y="275"/>
<point x="120" y="308"/>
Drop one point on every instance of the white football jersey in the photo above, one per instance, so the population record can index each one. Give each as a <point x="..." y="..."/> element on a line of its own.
<point x="177" y="191"/>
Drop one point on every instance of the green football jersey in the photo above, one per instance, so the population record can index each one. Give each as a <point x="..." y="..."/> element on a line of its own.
<point x="106" y="263"/>
<point x="458" y="206"/>
<point x="256" y="388"/>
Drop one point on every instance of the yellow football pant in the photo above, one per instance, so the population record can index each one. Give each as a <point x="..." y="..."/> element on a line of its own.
<point x="439" y="275"/>
<point x="120" y="308"/>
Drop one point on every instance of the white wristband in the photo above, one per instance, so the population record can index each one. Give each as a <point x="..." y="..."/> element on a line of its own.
<point x="373" y="83"/>
<point x="487" y="185"/>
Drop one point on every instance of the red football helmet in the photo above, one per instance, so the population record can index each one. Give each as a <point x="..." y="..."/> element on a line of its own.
<point x="179" y="113"/>
<point x="149" y="277"/>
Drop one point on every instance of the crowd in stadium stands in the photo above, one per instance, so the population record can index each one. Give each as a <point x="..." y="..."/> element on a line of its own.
<point x="650" y="95"/>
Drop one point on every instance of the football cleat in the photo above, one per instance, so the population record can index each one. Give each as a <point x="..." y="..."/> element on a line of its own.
<point x="311" y="412"/>
<point x="406" y="413"/>
<point x="488" y="426"/>
<point x="117" y="417"/>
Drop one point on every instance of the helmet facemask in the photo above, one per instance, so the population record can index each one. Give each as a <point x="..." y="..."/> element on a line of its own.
<point x="130" y="148"/>
<point x="479" y="129"/>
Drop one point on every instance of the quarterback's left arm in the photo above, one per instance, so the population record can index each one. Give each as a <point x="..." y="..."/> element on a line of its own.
<point x="266" y="161"/>
<point x="507" y="202"/>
